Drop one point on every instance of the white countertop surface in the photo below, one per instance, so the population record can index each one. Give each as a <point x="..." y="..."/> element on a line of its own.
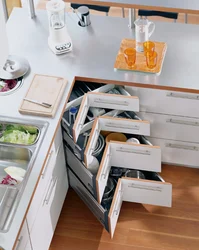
<point x="93" y="55"/>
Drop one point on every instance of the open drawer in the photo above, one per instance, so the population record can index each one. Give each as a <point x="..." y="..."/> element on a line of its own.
<point x="126" y="155"/>
<point x="128" y="126"/>
<point x="146" y="191"/>
<point x="105" y="101"/>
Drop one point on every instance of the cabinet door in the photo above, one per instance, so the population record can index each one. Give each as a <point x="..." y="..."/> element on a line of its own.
<point x="23" y="241"/>
<point x="43" y="228"/>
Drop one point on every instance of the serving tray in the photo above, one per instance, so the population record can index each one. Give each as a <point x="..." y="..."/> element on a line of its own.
<point x="140" y="64"/>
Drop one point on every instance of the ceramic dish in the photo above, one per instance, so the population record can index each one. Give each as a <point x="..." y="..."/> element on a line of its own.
<point x="116" y="137"/>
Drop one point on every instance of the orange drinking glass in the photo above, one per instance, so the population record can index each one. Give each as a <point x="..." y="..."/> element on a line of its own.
<point x="149" y="47"/>
<point x="151" y="59"/>
<point x="130" y="56"/>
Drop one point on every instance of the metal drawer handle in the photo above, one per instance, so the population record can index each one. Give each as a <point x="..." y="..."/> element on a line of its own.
<point x="120" y="103"/>
<point x="82" y="119"/>
<point x="133" y="151"/>
<point x="49" y="191"/>
<point x="46" y="167"/>
<point x="182" y="122"/>
<point x="105" y="173"/>
<point x="19" y="242"/>
<point x="112" y="125"/>
<point x="177" y="95"/>
<point x="95" y="135"/>
<point x="171" y="145"/>
<point x="118" y="202"/>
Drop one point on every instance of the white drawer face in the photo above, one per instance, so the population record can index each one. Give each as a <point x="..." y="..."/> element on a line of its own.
<point x="147" y="192"/>
<point x="102" y="100"/>
<point x="126" y="155"/>
<point x="167" y="102"/>
<point x="179" y="153"/>
<point x="172" y="127"/>
<point x="128" y="126"/>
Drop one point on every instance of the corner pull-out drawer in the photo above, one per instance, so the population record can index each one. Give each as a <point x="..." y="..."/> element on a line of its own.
<point x="177" y="152"/>
<point x="167" y="102"/>
<point x="96" y="209"/>
<point x="128" y="126"/>
<point x="126" y="155"/>
<point x="102" y="100"/>
<point x="153" y="192"/>
<point x="80" y="170"/>
<point x="172" y="127"/>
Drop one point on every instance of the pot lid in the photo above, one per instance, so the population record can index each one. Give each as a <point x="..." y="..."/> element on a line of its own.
<point x="14" y="68"/>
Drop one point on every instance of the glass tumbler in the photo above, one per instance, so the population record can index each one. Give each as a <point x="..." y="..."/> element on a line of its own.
<point x="151" y="59"/>
<point x="149" y="47"/>
<point x="130" y="57"/>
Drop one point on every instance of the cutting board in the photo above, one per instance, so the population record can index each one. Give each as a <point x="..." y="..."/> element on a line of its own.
<point x="140" y="64"/>
<point x="47" y="89"/>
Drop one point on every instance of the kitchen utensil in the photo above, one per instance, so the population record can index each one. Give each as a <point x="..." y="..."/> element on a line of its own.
<point x="151" y="59"/>
<point x="133" y="140"/>
<point x="143" y="30"/>
<point x="84" y="14"/>
<point x="130" y="57"/>
<point x="44" y="104"/>
<point x="49" y="87"/>
<point x="93" y="165"/>
<point x="99" y="146"/>
<point x="116" y="172"/>
<point x="109" y="187"/>
<point x="134" y="174"/>
<point x="116" y="137"/>
<point x="59" y="40"/>
<point x="14" y="68"/>
<point x="72" y="115"/>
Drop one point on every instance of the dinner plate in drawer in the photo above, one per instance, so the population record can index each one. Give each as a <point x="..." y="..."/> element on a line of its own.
<point x="172" y="127"/>
<point x="178" y="152"/>
<point x="126" y="155"/>
<point x="167" y="102"/>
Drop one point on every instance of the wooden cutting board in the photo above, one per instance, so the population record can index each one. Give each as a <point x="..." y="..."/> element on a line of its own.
<point x="47" y="89"/>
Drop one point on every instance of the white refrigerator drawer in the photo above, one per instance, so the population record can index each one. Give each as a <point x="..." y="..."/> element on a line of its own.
<point x="177" y="152"/>
<point x="172" y="127"/>
<point x="167" y="102"/>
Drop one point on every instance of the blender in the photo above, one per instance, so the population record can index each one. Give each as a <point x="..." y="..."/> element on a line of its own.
<point x="59" y="40"/>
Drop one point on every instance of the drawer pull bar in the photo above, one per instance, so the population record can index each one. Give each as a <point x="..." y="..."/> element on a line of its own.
<point x="99" y="100"/>
<point x="82" y="119"/>
<point x="19" y="242"/>
<point x="171" y="145"/>
<point x="46" y="167"/>
<point x="105" y="173"/>
<point x="194" y="97"/>
<point x="94" y="138"/>
<point x="112" y="125"/>
<point x="134" y="151"/>
<point x="183" y="122"/>
<point x="119" y="202"/>
<point x="50" y="190"/>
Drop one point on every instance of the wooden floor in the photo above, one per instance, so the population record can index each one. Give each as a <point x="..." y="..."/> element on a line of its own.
<point x="140" y="227"/>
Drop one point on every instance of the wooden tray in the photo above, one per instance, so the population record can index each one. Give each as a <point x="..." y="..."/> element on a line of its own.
<point x="140" y="64"/>
<point x="43" y="89"/>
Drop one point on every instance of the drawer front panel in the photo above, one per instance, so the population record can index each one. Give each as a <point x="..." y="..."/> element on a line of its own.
<point x="167" y="102"/>
<point x="179" y="153"/>
<point x="172" y="127"/>
<point x="80" y="170"/>
<point x="88" y="199"/>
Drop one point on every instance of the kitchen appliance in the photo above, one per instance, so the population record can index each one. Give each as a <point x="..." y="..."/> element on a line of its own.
<point x="84" y="15"/>
<point x="59" y="40"/>
<point x="143" y="30"/>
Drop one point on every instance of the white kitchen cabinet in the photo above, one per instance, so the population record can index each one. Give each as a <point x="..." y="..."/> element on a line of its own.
<point x="49" y="209"/>
<point x="23" y="241"/>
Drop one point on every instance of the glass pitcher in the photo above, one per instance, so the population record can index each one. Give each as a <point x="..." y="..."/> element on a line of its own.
<point x="56" y="14"/>
<point x="143" y="30"/>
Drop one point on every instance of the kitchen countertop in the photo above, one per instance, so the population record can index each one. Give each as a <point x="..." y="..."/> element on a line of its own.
<point x="93" y="55"/>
